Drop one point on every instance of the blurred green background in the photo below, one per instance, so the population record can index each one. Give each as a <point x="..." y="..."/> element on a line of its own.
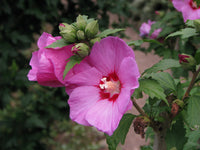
<point x="33" y="117"/>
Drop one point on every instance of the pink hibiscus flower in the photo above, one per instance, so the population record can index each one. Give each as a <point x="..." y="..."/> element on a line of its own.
<point x="145" y="29"/>
<point x="102" y="92"/>
<point x="188" y="8"/>
<point x="48" y="64"/>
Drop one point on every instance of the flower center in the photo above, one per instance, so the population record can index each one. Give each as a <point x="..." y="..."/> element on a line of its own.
<point x="110" y="87"/>
<point x="193" y="4"/>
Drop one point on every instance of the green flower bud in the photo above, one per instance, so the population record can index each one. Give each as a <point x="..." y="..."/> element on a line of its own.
<point x="197" y="25"/>
<point x="187" y="61"/>
<point x="68" y="35"/>
<point x="81" y="49"/>
<point x="80" y="35"/>
<point x="179" y="102"/>
<point x="81" y="22"/>
<point x="92" y="29"/>
<point x="65" y="26"/>
<point x="92" y="41"/>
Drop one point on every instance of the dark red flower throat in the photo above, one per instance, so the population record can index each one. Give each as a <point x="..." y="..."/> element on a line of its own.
<point x="110" y="87"/>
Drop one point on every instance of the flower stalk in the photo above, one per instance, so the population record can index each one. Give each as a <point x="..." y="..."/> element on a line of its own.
<point x="195" y="74"/>
<point x="139" y="109"/>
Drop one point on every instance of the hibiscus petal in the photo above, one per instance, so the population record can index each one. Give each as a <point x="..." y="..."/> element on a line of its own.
<point x="103" y="56"/>
<point x="104" y="115"/>
<point x="107" y="54"/>
<point x="46" y="39"/>
<point x="59" y="59"/>
<point x="80" y="101"/>
<point x="129" y="78"/>
<point x="46" y="75"/>
<point x="32" y="75"/>
<point x="123" y="100"/>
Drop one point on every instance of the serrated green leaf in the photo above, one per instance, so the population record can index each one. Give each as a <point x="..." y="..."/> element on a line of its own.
<point x="165" y="80"/>
<point x="193" y="110"/>
<point x="176" y="136"/>
<point x="59" y="43"/>
<point x="73" y="60"/>
<point x="137" y="93"/>
<point x="120" y="133"/>
<point x="153" y="89"/>
<point x="192" y="142"/>
<point x="107" y="32"/>
<point x="190" y="23"/>
<point x="163" y="65"/>
<point x="184" y="33"/>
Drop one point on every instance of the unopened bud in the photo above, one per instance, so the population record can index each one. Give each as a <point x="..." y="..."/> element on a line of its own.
<point x="65" y="26"/>
<point x="187" y="61"/>
<point x="81" y="49"/>
<point x="197" y="25"/>
<point x="81" y="22"/>
<point x="179" y="102"/>
<point x="68" y="35"/>
<point x="92" y="41"/>
<point x="80" y="35"/>
<point x="92" y="29"/>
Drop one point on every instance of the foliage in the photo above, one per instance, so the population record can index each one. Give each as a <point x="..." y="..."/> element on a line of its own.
<point x="27" y="110"/>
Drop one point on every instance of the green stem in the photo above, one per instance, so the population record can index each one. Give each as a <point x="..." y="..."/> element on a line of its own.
<point x="195" y="74"/>
<point x="139" y="109"/>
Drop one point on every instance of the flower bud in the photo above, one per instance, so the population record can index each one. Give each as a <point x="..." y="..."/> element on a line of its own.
<point x="68" y="35"/>
<point x="92" y="29"/>
<point x="81" y="22"/>
<point x="81" y="49"/>
<point x="80" y="35"/>
<point x="65" y="26"/>
<point x="197" y="25"/>
<point x="92" y="41"/>
<point x="187" y="61"/>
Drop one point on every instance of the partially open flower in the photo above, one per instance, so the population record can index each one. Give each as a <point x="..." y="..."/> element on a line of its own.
<point x="48" y="64"/>
<point x="101" y="93"/>
<point x="187" y="61"/>
<point x="145" y="29"/>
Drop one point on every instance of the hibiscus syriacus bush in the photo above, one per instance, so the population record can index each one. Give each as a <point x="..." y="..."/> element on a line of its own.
<point x="100" y="74"/>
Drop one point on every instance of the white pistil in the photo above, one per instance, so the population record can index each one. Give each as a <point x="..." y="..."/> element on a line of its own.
<point x="110" y="86"/>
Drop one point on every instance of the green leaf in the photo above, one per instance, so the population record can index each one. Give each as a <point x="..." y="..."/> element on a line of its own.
<point x="107" y="32"/>
<point x="165" y="80"/>
<point x="153" y="89"/>
<point x="190" y="23"/>
<point x="139" y="42"/>
<point x="197" y="56"/>
<point x="35" y="121"/>
<point x="120" y="133"/>
<point x="163" y="65"/>
<point x="137" y="93"/>
<point x="184" y="33"/>
<point x="175" y="137"/>
<point x="59" y="43"/>
<point x="135" y="43"/>
<point x="192" y="142"/>
<point x="193" y="110"/>
<point x="73" y="60"/>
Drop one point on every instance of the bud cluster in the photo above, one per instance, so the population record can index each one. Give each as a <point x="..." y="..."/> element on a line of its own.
<point x="82" y="32"/>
